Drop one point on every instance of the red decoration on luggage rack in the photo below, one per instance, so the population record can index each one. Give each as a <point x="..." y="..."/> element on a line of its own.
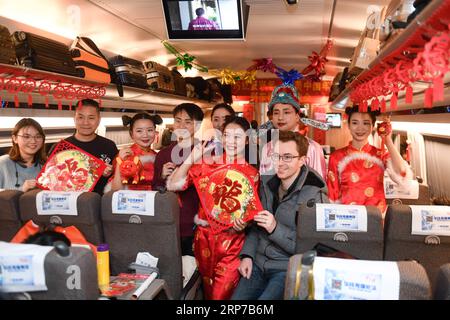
<point x="17" y="79"/>
<point x="424" y="56"/>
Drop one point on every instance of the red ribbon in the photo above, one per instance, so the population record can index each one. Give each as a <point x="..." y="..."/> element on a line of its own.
<point x="264" y="64"/>
<point x="318" y="61"/>
<point x="429" y="98"/>
<point x="394" y="100"/>
<point x="409" y="94"/>
<point x="58" y="94"/>
<point x="44" y="89"/>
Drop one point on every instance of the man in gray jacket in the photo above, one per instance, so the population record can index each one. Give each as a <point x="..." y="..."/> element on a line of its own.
<point x="271" y="239"/>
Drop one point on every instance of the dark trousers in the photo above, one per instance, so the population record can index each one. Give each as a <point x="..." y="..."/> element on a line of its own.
<point x="267" y="285"/>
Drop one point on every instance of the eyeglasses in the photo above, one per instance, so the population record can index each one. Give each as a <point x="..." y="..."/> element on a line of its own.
<point x="285" y="157"/>
<point x="28" y="137"/>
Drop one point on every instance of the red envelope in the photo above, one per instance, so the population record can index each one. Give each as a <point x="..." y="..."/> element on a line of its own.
<point x="70" y="169"/>
<point x="226" y="194"/>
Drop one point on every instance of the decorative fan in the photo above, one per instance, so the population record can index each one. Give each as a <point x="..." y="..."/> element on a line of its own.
<point x="227" y="194"/>
<point x="70" y="169"/>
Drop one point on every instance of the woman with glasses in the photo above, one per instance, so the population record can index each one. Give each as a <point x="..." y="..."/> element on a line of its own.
<point x="19" y="168"/>
<point x="217" y="252"/>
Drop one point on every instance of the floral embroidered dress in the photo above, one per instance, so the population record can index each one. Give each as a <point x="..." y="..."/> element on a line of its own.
<point x="356" y="176"/>
<point x="217" y="253"/>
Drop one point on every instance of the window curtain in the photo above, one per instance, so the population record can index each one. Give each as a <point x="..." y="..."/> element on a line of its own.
<point x="419" y="163"/>
<point x="437" y="151"/>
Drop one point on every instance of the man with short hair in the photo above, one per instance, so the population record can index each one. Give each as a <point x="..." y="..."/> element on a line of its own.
<point x="201" y="23"/>
<point x="188" y="118"/>
<point x="284" y="108"/>
<point x="87" y="119"/>
<point x="271" y="239"/>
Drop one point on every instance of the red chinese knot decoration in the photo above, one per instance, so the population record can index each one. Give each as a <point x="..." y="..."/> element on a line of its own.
<point x="428" y="64"/>
<point x="17" y="80"/>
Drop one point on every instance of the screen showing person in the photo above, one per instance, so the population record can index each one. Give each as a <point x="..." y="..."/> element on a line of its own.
<point x="203" y="15"/>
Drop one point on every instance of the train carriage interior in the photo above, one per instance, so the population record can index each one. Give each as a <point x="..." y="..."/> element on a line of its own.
<point x="387" y="58"/>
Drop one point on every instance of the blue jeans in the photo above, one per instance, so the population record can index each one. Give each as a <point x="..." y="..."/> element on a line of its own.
<point x="268" y="285"/>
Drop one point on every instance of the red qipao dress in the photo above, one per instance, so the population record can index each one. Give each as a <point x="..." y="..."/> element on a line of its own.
<point x="148" y="160"/>
<point x="356" y="176"/>
<point x="217" y="253"/>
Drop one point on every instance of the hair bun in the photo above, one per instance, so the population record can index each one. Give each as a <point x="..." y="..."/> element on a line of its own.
<point x="352" y="109"/>
<point x="156" y="118"/>
<point x="126" y="120"/>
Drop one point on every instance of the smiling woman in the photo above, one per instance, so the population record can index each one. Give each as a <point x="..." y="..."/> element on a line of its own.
<point x="19" y="168"/>
<point x="356" y="172"/>
<point x="142" y="129"/>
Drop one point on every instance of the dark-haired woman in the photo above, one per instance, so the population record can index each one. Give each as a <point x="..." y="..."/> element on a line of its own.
<point x="19" y="168"/>
<point x="356" y="172"/>
<point x="219" y="113"/>
<point x="217" y="253"/>
<point x="142" y="129"/>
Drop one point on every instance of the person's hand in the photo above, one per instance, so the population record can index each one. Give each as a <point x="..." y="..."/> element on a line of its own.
<point x="167" y="169"/>
<point x="239" y="225"/>
<point x="245" y="268"/>
<point x="199" y="150"/>
<point x="385" y="128"/>
<point x="108" y="170"/>
<point x="28" y="185"/>
<point x="266" y="220"/>
<point x="125" y="152"/>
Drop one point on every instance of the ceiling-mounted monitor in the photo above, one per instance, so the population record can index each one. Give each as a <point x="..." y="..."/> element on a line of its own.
<point x="205" y="19"/>
<point x="333" y="120"/>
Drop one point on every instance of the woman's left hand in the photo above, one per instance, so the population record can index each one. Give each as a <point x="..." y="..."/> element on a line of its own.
<point x="28" y="185"/>
<point x="239" y="225"/>
<point x="266" y="220"/>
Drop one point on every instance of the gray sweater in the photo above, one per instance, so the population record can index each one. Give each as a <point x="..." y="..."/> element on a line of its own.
<point x="12" y="173"/>
<point x="272" y="251"/>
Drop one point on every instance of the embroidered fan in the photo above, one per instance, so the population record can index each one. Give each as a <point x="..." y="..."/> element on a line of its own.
<point x="227" y="194"/>
<point x="70" y="169"/>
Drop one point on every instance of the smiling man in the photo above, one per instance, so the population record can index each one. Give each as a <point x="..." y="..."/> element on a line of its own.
<point x="270" y="241"/>
<point x="87" y="119"/>
<point x="284" y="108"/>
<point x="187" y="121"/>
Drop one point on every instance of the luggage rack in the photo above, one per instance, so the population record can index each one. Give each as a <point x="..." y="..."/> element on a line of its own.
<point x="22" y="84"/>
<point x="409" y="41"/>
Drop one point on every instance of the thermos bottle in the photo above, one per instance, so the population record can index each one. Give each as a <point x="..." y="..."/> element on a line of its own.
<point x="103" y="265"/>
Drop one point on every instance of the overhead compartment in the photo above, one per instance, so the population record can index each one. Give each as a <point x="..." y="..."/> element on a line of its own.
<point x="394" y="58"/>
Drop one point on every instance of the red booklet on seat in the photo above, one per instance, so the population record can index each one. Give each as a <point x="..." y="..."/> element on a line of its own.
<point x="123" y="284"/>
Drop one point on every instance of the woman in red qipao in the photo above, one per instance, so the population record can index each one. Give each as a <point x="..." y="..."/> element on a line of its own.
<point x="356" y="172"/>
<point x="217" y="253"/>
<point x="143" y="133"/>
